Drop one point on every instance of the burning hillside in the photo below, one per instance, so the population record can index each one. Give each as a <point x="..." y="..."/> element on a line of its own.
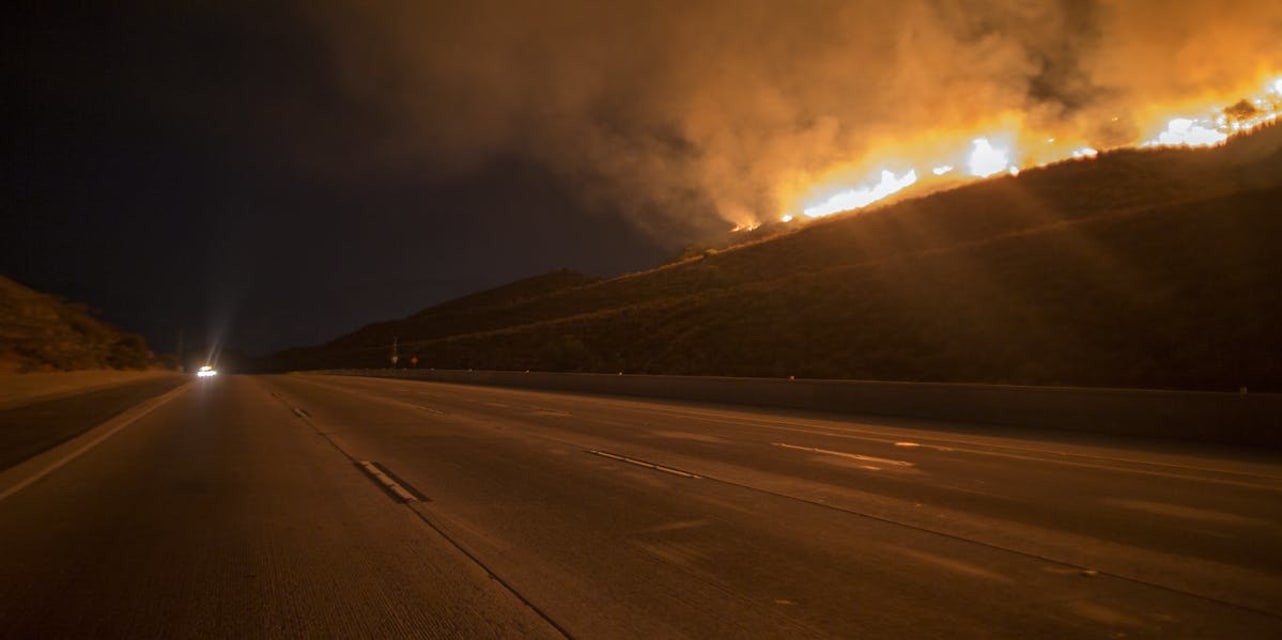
<point x="693" y="117"/>
<point x="1143" y="268"/>
<point x="1013" y="149"/>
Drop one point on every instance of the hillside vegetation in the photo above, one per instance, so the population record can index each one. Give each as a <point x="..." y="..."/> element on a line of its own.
<point x="1155" y="268"/>
<point x="39" y="332"/>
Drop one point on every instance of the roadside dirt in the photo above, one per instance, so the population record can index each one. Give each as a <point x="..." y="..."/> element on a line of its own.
<point x="17" y="389"/>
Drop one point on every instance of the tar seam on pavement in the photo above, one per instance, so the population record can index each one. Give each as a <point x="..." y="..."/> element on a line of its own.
<point x="643" y="463"/>
<point x="418" y="512"/>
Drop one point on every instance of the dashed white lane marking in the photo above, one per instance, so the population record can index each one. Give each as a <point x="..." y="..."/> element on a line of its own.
<point x="385" y="480"/>
<point x="643" y="463"/>
<point x="302" y="413"/>
<point x="843" y="454"/>
<point x="907" y="444"/>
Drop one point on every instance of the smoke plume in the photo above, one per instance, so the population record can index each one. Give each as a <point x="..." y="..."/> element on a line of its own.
<point x="692" y="114"/>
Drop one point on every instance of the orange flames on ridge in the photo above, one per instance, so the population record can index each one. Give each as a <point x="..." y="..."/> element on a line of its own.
<point x="1007" y="148"/>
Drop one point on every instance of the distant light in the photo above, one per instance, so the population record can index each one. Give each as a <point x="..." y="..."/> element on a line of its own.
<point x="1085" y="152"/>
<point x="786" y="218"/>
<point x="206" y="372"/>
<point x="942" y="169"/>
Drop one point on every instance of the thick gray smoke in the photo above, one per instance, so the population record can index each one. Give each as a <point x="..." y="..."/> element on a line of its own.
<point x="697" y="112"/>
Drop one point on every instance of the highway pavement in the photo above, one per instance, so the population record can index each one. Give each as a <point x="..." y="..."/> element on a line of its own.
<point x="32" y="427"/>
<point x="325" y="506"/>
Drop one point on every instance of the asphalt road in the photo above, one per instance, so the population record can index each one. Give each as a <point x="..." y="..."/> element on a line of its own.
<point x="239" y="507"/>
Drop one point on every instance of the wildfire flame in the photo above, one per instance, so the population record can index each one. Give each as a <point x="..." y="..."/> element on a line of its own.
<point x="863" y="196"/>
<point x="1187" y="132"/>
<point x="998" y="153"/>
<point x="986" y="160"/>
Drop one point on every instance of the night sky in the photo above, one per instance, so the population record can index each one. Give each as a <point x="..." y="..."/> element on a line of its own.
<point x="265" y="175"/>
<point x="185" y="169"/>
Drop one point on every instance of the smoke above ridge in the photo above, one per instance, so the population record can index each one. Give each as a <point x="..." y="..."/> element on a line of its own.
<point x="690" y="116"/>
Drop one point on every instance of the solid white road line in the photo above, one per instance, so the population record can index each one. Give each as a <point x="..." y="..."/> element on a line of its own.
<point x="96" y="436"/>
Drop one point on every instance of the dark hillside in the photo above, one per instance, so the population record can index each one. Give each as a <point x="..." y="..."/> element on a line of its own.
<point x="481" y="310"/>
<point x="40" y="332"/>
<point x="509" y="294"/>
<point x="1141" y="268"/>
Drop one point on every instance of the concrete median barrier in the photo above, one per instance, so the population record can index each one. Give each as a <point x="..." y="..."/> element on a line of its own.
<point x="1227" y="418"/>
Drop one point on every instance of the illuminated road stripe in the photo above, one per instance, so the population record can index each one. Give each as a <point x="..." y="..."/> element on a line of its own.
<point x="643" y="463"/>
<point x="843" y="454"/>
